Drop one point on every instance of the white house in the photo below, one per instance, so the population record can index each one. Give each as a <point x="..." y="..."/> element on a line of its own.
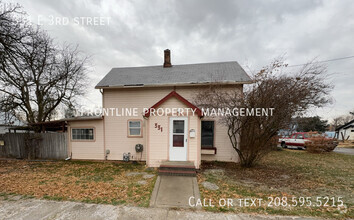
<point x="346" y="132"/>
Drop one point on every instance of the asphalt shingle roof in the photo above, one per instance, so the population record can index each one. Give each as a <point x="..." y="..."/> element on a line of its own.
<point x="224" y="72"/>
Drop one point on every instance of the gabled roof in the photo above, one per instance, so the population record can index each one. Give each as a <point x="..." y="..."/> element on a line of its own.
<point x="148" y="76"/>
<point x="179" y="97"/>
<point x="345" y="126"/>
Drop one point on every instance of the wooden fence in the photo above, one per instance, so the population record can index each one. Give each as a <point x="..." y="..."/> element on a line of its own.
<point x="34" y="145"/>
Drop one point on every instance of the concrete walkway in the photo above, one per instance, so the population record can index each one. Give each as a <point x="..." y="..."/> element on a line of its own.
<point x="16" y="208"/>
<point x="175" y="192"/>
<point x="344" y="150"/>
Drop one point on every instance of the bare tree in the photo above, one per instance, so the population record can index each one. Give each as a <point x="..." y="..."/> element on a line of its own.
<point x="13" y="26"/>
<point x="36" y="76"/>
<point x="290" y="94"/>
<point x="342" y="120"/>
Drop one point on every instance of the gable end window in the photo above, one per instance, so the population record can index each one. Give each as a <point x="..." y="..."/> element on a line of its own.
<point x="82" y="134"/>
<point x="135" y="128"/>
<point x="207" y="134"/>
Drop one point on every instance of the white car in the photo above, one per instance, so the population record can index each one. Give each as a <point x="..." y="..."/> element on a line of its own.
<point x="295" y="140"/>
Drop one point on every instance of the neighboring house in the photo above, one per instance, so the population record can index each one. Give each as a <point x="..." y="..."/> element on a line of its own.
<point x="164" y="138"/>
<point x="346" y="131"/>
<point x="5" y="128"/>
<point x="330" y="134"/>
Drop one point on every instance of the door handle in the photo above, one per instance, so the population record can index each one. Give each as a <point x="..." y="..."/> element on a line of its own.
<point x="186" y="139"/>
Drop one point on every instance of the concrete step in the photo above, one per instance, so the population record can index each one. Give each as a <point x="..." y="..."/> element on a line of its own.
<point x="177" y="172"/>
<point x="177" y="168"/>
<point x="171" y="167"/>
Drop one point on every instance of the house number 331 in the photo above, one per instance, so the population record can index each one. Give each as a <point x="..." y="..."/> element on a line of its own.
<point x="159" y="127"/>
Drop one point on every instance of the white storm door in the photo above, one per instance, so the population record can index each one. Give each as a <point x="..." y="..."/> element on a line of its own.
<point x="178" y="139"/>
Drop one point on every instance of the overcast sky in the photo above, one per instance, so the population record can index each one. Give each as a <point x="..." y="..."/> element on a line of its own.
<point x="135" y="33"/>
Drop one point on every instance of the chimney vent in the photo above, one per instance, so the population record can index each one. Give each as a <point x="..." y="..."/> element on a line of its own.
<point x="167" y="58"/>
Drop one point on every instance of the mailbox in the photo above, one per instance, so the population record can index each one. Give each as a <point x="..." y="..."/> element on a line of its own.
<point x="192" y="133"/>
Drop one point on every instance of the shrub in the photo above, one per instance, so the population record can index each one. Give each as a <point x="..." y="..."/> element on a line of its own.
<point x="274" y="87"/>
<point x="319" y="144"/>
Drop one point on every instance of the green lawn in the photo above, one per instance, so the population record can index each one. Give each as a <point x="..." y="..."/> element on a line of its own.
<point x="288" y="175"/>
<point x="93" y="182"/>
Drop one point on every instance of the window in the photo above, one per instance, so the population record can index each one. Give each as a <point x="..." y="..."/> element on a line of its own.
<point x="82" y="134"/>
<point x="178" y="133"/>
<point x="300" y="136"/>
<point x="134" y="128"/>
<point x="207" y="134"/>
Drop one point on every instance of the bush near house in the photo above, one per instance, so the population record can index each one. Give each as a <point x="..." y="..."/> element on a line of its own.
<point x="273" y="87"/>
<point x="320" y="144"/>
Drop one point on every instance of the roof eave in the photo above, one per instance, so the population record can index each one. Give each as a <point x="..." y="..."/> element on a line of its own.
<point x="343" y="126"/>
<point x="175" y="84"/>
<point x="83" y="118"/>
<point x="63" y="120"/>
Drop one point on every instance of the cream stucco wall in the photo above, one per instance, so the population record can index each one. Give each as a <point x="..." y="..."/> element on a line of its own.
<point x="116" y="127"/>
<point x="224" y="149"/>
<point x="111" y="133"/>
<point x="93" y="150"/>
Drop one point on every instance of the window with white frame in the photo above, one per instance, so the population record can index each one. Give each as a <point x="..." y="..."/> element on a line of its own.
<point x="134" y="128"/>
<point x="82" y="134"/>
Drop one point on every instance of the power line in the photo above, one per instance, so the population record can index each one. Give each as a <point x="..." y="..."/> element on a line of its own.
<point x="324" y="61"/>
<point x="321" y="61"/>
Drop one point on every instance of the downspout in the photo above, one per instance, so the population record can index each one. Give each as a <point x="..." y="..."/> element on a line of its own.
<point x="146" y="139"/>
<point x="104" y="129"/>
<point x="147" y="134"/>
<point x="69" y="142"/>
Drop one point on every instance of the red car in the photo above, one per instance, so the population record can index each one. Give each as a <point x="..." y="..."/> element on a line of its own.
<point x="297" y="139"/>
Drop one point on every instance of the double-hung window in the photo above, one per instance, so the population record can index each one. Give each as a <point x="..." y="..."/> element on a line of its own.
<point x="134" y="128"/>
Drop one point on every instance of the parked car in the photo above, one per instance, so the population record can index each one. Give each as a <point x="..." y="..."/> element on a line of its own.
<point x="301" y="139"/>
<point x="297" y="139"/>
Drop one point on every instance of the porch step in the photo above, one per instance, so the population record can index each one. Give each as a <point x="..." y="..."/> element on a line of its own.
<point x="177" y="173"/>
<point x="186" y="168"/>
<point x="170" y="168"/>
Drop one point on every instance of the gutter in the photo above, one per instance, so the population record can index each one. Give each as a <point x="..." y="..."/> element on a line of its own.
<point x="173" y="84"/>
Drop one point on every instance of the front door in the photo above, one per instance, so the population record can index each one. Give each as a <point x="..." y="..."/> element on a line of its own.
<point x="178" y="139"/>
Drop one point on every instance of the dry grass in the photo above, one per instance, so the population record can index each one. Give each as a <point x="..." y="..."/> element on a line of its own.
<point x="346" y="144"/>
<point x="96" y="182"/>
<point x="287" y="174"/>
